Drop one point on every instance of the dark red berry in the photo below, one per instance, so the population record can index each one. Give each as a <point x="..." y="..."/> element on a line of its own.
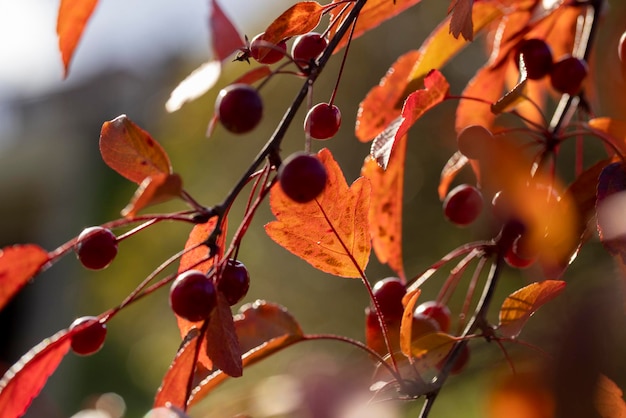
<point x="437" y="311"/>
<point x="322" y="121"/>
<point x="474" y="141"/>
<point x="518" y="255"/>
<point x="389" y="293"/>
<point x="460" y="363"/>
<point x="308" y="47"/>
<point x="234" y="281"/>
<point x="239" y="108"/>
<point x="568" y="74"/>
<point x="302" y="177"/>
<point x="96" y="247"/>
<point x="265" y="52"/>
<point x="463" y="204"/>
<point x="90" y="339"/>
<point x="192" y="295"/>
<point x="537" y="57"/>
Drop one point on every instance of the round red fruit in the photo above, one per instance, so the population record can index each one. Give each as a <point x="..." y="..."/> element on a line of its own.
<point x="302" y="177"/>
<point x="568" y="74"/>
<point x="308" y="47"/>
<point x="474" y="140"/>
<point x="265" y="52"/>
<point x="96" y="247"/>
<point x="423" y="325"/>
<point x="389" y="293"/>
<point x="460" y="363"/>
<point x="322" y="121"/>
<point x="463" y="204"/>
<point x="437" y="311"/>
<point x="518" y="256"/>
<point x="89" y="339"/>
<point x="192" y="296"/>
<point x="234" y="281"/>
<point x="537" y="57"/>
<point x="239" y="108"/>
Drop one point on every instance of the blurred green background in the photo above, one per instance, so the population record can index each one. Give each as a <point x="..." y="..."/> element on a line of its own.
<point x="53" y="183"/>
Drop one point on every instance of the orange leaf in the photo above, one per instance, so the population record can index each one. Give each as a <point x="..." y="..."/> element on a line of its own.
<point x="131" y="151"/>
<point x="487" y="85"/>
<point x="222" y="344"/>
<point x="331" y="232"/>
<point x="435" y="90"/>
<point x="71" y="22"/>
<point x="381" y="105"/>
<point x="385" y="214"/>
<point x="406" y="326"/>
<point x="262" y="329"/>
<point x="18" y="264"/>
<point x="300" y="18"/>
<point x="430" y="349"/>
<point x="611" y="130"/>
<point x="225" y="36"/>
<point x="152" y="190"/>
<point x="25" y="379"/>
<point x="523" y="303"/>
<point x="449" y="173"/>
<point x="609" y="399"/>
<point x="461" y="19"/>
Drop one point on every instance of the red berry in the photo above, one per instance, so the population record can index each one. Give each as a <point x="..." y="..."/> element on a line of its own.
<point x="389" y="293"/>
<point x="265" y="52"/>
<point x="322" y="121"/>
<point x="308" y="47"/>
<point x="463" y="204"/>
<point x="423" y="325"/>
<point x="517" y="256"/>
<point x="90" y="339"/>
<point x="239" y="108"/>
<point x="96" y="247"/>
<point x="192" y="296"/>
<point x="437" y="311"/>
<point x="460" y="362"/>
<point x="537" y="57"/>
<point x="474" y="140"/>
<point x="568" y="74"/>
<point x="302" y="177"/>
<point x="234" y="281"/>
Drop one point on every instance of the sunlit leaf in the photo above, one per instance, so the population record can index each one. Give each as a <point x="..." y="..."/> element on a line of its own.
<point x="131" y="151"/>
<point x="226" y="38"/>
<point x="515" y="95"/>
<point x="430" y="349"/>
<point x="194" y="85"/>
<point x="18" y="264"/>
<point x="406" y="326"/>
<point x="262" y="328"/>
<point x="613" y="131"/>
<point x="300" y="18"/>
<point x="521" y="304"/>
<point x="331" y="233"/>
<point x="486" y="86"/>
<point x="71" y="21"/>
<point x="222" y="345"/>
<point x="461" y="19"/>
<point x="608" y="399"/>
<point x="381" y="105"/>
<point x="385" y="213"/>
<point x="449" y="172"/>
<point x="25" y="379"/>
<point x="435" y="90"/>
<point x="153" y="190"/>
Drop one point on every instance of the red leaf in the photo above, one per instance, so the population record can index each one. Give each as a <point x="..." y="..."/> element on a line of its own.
<point x="331" y="232"/>
<point x="300" y="18"/>
<point x="461" y="21"/>
<point x="225" y="36"/>
<point x="18" y="264"/>
<point x="131" y="151"/>
<point x="71" y="22"/>
<point x="419" y="102"/>
<point x="152" y="190"/>
<point x="222" y="344"/>
<point x="385" y="214"/>
<point x="25" y="379"/>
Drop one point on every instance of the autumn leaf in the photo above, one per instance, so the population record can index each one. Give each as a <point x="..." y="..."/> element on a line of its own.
<point x="406" y="326"/>
<point x="461" y="19"/>
<point x="225" y="37"/>
<point x="435" y="90"/>
<point x="385" y="213"/>
<point x="430" y="349"/>
<point x="487" y="86"/>
<point x="612" y="131"/>
<point x="71" y="21"/>
<point x="609" y="399"/>
<point x="300" y="18"/>
<point x="222" y="344"/>
<point x="152" y="190"/>
<point x="380" y="106"/>
<point x="519" y="306"/>
<point x="449" y="172"/>
<point x="516" y="94"/>
<point x="18" y="264"/>
<point x="131" y="151"/>
<point x="331" y="232"/>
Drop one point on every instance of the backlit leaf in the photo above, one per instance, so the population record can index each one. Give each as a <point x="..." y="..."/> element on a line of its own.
<point x="449" y="172"/>
<point x="225" y="36"/>
<point x="300" y="18"/>
<point x="612" y="131"/>
<point x="262" y="328"/>
<point x="435" y="90"/>
<point x="521" y="304"/>
<point x="194" y="85"/>
<point x="406" y="326"/>
<point x="608" y="399"/>
<point x="152" y="190"/>
<point x="331" y="232"/>
<point x="131" y="151"/>
<point x="222" y="345"/>
<point x="71" y="21"/>
<point x="18" y="264"/>
<point x="381" y="105"/>
<point x="515" y="95"/>
<point x="385" y="213"/>
<point x="461" y="19"/>
<point x="430" y="349"/>
<point x="25" y="379"/>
